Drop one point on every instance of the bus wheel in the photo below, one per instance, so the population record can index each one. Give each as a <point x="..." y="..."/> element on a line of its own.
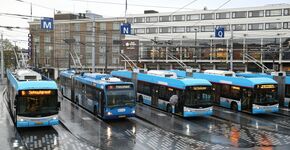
<point x="95" y="111"/>
<point x="289" y="105"/>
<point x="234" y="106"/>
<point x="77" y="100"/>
<point x="169" y="108"/>
<point x="140" y="98"/>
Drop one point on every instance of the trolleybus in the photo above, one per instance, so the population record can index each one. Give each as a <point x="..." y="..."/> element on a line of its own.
<point x="32" y="100"/>
<point x="103" y="95"/>
<point x="186" y="97"/>
<point x="253" y="95"/>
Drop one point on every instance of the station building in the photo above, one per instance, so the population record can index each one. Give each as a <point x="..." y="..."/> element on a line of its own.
<point x="254" y="35"/>
<point x="78" y="34"/>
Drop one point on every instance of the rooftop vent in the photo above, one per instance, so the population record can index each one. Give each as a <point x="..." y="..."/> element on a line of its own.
<point x="27" y="74"/>
<point x="162" y="73"/>
<point x="221" y="72"/>
<point x="150" y="12"/>
<point x="111" y="79"/>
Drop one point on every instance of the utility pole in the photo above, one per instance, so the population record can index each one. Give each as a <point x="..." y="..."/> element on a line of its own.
<point x="2" y="58"/>
<point x="94" y="47"/>
<point x="106" y="55"/>
<point x="232" y="49"/>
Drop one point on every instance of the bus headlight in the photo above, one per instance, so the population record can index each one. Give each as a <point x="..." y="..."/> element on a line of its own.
<point x="54" y="118"/>
<point x="109" y="113"/>
<point x="133" y="112"/>
<point x="21" y="120"/>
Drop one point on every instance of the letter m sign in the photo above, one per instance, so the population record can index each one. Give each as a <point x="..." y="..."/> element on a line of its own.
<point x="47" y="23"/>
<point x="126" y="28"/>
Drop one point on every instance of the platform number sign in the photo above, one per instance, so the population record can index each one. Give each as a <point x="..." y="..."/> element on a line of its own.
<point x="125" y="28"/>
<point x="220" y="32"/>
<point x="47" y="23"/>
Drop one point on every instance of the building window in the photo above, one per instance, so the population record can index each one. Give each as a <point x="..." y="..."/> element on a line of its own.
<point x="164" y="19"/>
<point x="47" y="39"/>
<point x="102" y="38"/>
<point x="151" y="30"/>
<point x="89" y="26"/>
<point x="286" y="25"/>
<point x="256" y="13"/>
<point x="129" y="20"/>
<point x="193" y="17"/>
<point x="256" y="26"/>
<point x="275" y="12"/>
<point x="192" y="29"/>
<point x="101" y="59"/>
<point x="139" y="31"/>
<point x="164" y="29"/>
<point x="36" y="39"/>
<point x="207" y="28"/>
<point x="89" y="39"/>
<point x="102" y="26"/>
<point x="115" y="59"/>
<point x="139" y="20"/>
<point x="226" y="27"/>
<point x="178" y="18"/>
<point x="239" y="14"/>
<point x="116" y="26"/>
<point x="287" y="12"/>
<point x="47" y="50"/>
<point x="224" y="15"/>
<point x="239" y="27"/>
<point x="102" y="49"/>
<point x="273" y="26"/>
<point x="77" y="27"/>
<point x="178" y="29"/>
<point x="151" y="19"/>
<point x="207" y="16"/>
<point x="116" y="48"/>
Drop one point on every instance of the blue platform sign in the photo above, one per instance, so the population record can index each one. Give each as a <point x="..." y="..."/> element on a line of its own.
<point x="125" y="28"/>
<point x="47" y="23"/>
<point x="220" y="32"/>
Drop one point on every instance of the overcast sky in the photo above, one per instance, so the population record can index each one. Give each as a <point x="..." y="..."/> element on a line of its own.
<point x="107" y="8"/>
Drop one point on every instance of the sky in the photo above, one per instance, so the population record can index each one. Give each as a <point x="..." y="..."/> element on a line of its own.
<point x="107" y="8"/>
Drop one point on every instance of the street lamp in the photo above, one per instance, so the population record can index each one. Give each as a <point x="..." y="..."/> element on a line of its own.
<point x="69" y="42"/>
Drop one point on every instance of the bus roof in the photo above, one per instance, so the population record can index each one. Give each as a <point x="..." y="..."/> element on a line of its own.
<point x="246" y="82"/>
<point x="180" y="83"/>
<point x="99" y="80"/>
<point x="68" y="73"/>
<point x="255" y="75"/>
<point x="29" y="85"/>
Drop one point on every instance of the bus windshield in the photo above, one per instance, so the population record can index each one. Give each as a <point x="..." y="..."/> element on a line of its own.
<point x="198" y="98"/>
<point x="37" y="106"/>
<point x="265" y="96"/>
<point x="119" y="98"/>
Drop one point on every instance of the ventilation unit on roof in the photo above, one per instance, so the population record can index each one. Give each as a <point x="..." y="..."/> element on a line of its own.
<point x="111" y="79"/>
<point x="162" y="73"/>
<point x="221" y="72"/>
<point x="27" y="74"/>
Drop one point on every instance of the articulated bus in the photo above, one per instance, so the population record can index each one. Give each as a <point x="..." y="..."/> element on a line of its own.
<point x="101" y="94"/>
<point x="286" y="91"/>
<point x="186" y="97"/>
<point x="32" y="99"/>
<point x="253" y="95"/>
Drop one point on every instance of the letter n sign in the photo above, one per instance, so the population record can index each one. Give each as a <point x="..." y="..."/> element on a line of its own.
<point x="47" y="23"/>
<point x="126" y="28"/>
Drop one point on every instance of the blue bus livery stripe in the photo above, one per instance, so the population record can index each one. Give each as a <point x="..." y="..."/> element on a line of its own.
<point x="34" y="124"/>
<point x="171" y="82"/>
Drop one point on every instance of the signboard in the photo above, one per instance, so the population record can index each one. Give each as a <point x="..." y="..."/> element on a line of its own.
<point x="47" y="24"/>
<point x="130" y="48"/>
<point x="125" y="28"/>
<point x="220" y="32"/>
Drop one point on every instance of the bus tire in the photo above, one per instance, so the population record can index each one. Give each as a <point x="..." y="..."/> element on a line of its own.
<point x="77" y="100"/>
<point x="234" y="106"/>
<point x="289" y="105"/>
<point x="95" y="111"/>
<point x="169" y="108"/>
<point x="140" y="99"/>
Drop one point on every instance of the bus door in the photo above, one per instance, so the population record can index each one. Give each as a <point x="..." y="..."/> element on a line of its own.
<point x="217" y="91"/>
<point x="154" y="94"/>
<point x="101" y="103"/>
<point x="246" y="99"/>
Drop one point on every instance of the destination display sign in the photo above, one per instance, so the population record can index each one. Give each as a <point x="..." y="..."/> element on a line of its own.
<point x="268" y="86"/>
<point x="36" y="92"/>
<point x="113" y="87"/>
<point x="199" y="88"/>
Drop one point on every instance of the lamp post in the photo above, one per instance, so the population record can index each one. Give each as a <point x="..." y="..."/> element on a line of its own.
<point x="69" y="42"/>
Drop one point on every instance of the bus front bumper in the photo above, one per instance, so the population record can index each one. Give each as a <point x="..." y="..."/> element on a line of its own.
<point x="193" y="112"/>
<point x="259" y="109"/>
<point x="28" y="123"/>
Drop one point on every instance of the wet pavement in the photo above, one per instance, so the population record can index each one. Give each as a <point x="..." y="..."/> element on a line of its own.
<point x="151" y="129"/>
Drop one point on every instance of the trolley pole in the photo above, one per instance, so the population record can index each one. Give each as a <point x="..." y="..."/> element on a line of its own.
<point x="2" y="58"/>
<point x="232" y="49"/>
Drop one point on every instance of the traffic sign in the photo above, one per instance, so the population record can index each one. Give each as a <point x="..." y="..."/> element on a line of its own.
<point x="220" y="32"/>
<point x="125" y="28"/>
<point x="47" y="23"/>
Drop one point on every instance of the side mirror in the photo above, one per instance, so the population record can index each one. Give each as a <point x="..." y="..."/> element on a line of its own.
<point x="58" y="104"/>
